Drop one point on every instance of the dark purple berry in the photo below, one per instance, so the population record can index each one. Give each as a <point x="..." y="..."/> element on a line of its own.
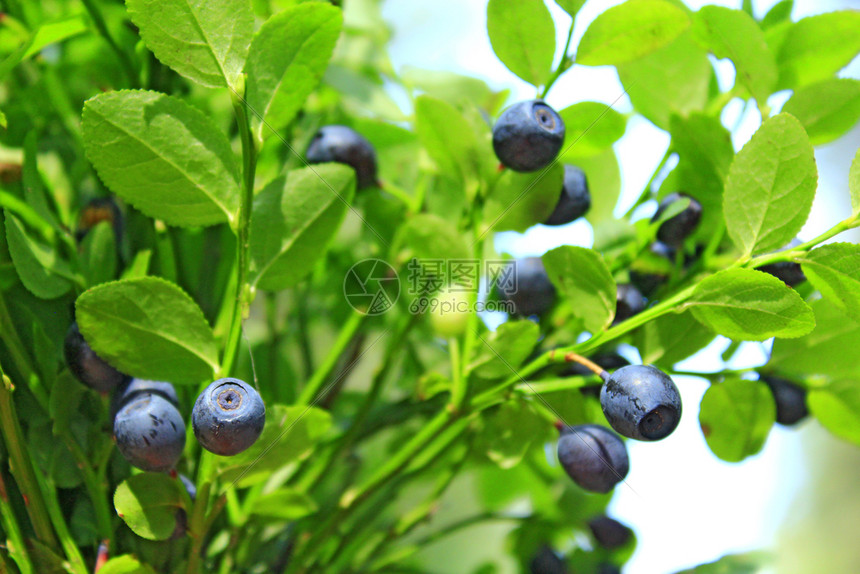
<point x="228" y="417"/>
<point x="150" y="433"/>
<point x="88" y="367"/>
<point x="574" y="200"/>
<point x="528" y="136"/>
<point x="531" y="292"/>
<point x="788" y="272"/>
<point x="593" y="456"/>
<point x="609" y="533"/>
<point x="546" y="561"/>
<point x="345" y="145"/>
<point x="790" y="400"/>
<point x="677" y="228"/>
<point x="628" y="302"/>
<point x="641" y="402"/>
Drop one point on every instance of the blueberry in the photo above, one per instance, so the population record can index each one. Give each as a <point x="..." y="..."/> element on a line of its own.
<point x="150" y="432"/>
<point x="607" y="568"/>
<point x="593" y="456"/>
<point x="98" y="210"/>
<point x="628" y="302"/>
<point x="228" y="417"/>
<point x="574" y="200"/>
<point x="641" y="402"/>
<point x="609" y="533"/>
<point x="181" y="515"/>
<point x="649" y="279"/>
<point x="790" y="400"/>
<point x="528" y="136"/>
<point x="531" y="291"/>
<point x="546" y="561"/>
<point x="88" y="367"/>
<point x="133" y="388"/>
<point x="788" y="272"/>
<point x="677" y="228"/>
<point x="345" y="145"/>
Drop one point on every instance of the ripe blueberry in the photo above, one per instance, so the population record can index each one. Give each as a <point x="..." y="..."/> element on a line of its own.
<point x="134" y="388"/>
<point x="150" y="432"/>
<point x="528" y="136"/>
<point x="228" y="417"/>
<point x="181" y="515"/>
<point x="628" y="302"/>
<point x="674" y="230"/>
<point x="546" y="561"/>
<point x="648" y="278"/>
<point x="790" y="400"/>
<point x="532" y="292"/>
<point x="608" y="532"/>
<point x="641" y="402"/>
<point x="593" y="456"/>
<point x="98" y="210"/>
<point x="574" y="200"/>
<point x="345" y="145"/>
<point x="88" y="367"/>
<point x="788" y="272"/>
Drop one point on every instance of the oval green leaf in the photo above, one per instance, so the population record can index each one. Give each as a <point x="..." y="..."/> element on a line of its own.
<point x="748" y="305"/>
<point x="39" y="266"/>
<point x="854" y="184"/>
<point x="834" y="270"/>
<point x="581" y="276"/>
<point x="770" y="186"/>
<point x="817" y="47"/>
<point x="148" y="328"/>
<point x="630" y="31"/>
<point x="148" y="502"/>
<point x="506" y="349"/>
<point x="671" y="338"/>
<point x="195" y="38"/>
<point x="162" y="156"/>
<point x="522" y="34"/>
<point x="287" y="60"/>
<point x="293" y="220"/>
<point x="590" y="128"/>
<point x="520" y="200"/>
<point x="827" y="109"/>
<point x="837" y="408"/>
<point x="736" y="417"/>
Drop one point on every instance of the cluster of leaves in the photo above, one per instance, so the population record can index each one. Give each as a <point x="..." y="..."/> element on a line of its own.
<point x="222" y="218"/>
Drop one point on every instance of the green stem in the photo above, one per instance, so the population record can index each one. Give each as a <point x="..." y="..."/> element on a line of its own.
<point x="801" y="249"/>
<point x="303" y="331"/>
<point x="101" y="27"/>
<point x="22" y="467"/>
<point x="94" y="487"/>
<point x="250" y="148"/>
<point x="646" y="193"/>
<point x="461" y="524"/>
<point x="197" y="528"/>
<point x="75" y="560"/>
<point x="565" y="63"/>
<point x="20" y="357"/>
<point x="316" y="382"/>
<point x="458" y="381"/>
<point x="15" y="540"/>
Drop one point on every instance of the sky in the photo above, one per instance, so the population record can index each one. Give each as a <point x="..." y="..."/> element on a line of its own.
<point x="686" y="506"/>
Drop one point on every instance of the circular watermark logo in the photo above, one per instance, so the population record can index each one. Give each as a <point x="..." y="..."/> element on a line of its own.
<point x="371" y="286"/>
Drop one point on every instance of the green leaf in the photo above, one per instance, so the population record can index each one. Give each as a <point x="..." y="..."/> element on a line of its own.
<point x="506" y="349"/>
<point x="287" y="60"/>
<point x="510" y="432"/>
<point x="63" y="403"/>
<point x="571" y="6"/>
<point x="293" y="220"/>
<point x="520" y="200"/>
<point x="827" y="109"/>
<point x="671" y="338"/>
<point x="736" y="417"/>
<point x="770" y="186"/>
<point x="55" y="32"/>
<point x="590" y="128"/>
<point x="829" y="350"/>
<point x="630" y="31"/>
<point x="581" y="276"/>
<point x="735" y="35"/>
<point x="284" y="504"/>
<point x="837" y="408"/>
<point x="125" y="564"/>
<point x="817" y="47"/>
<point x="523" y="37"/>
<point x="148" y="502"/>
<point x="448" y="138"/>
<point x="39" y="266"/>
<point x="429" y="237"/>
<point x="748" y="305"/>
<point x="705" y="153"/>
<point x="604" y="184"/>
<point x="162" y="156"/>
<point x="204" y="40"/>
<point x="99" y="258"/>
<point x="780" y="13"/>
<point x="834" y="270"/>
<point x="854" y="184"/>
<point x="148" y="328"/>
<point x="448" y="86"/>
<point x="673" y="80"/>
<point x="289" y="436"/>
